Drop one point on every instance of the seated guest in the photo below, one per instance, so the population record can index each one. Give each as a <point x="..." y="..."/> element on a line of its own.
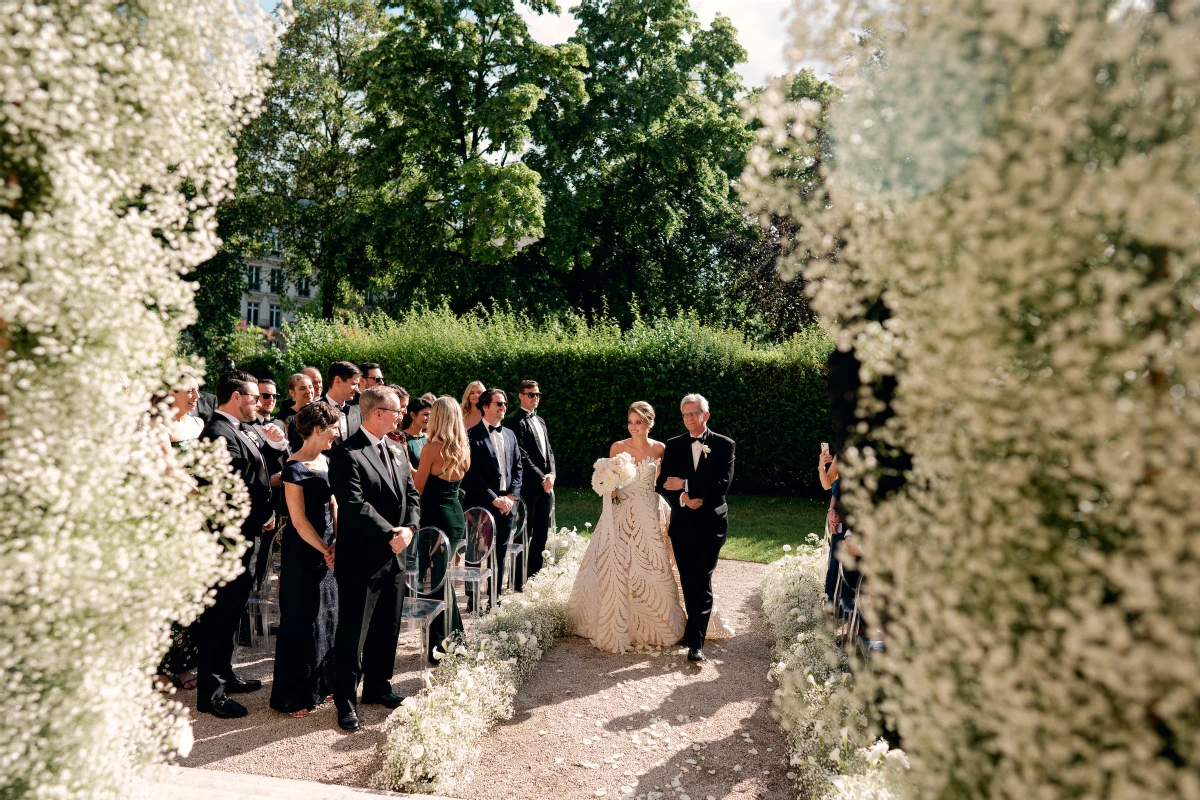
<point x="470" y="404"/>
<point x="344" y="380"/>
<point x="494" y="479"/>
<point x="237" y="399"/>
<point x="415" y="423"/>
<point x="378" y="508"/>
<point x="307" y="587"/>
<point x="301" y="393"/>
<point x="444" y="463"/>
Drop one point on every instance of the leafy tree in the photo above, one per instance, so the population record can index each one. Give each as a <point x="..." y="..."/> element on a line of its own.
<point x="451" y="90"/>
<point x="300" y="161"/>
<point x="639" y="180"/>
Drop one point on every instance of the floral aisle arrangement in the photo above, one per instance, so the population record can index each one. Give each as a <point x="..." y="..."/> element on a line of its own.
<point x="116" y="148"/>
<point x="816" y="702"/>
<point x="433" y="738"/>
<point x="1013" y="200"/>
<point x="611" y="474"/>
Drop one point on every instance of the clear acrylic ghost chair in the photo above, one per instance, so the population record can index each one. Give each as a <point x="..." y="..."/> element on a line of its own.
<point x="518" y="543"/>
<point x="475" y="559"/>
<point x="263" y="604"/>
<point x="426" y="574"/>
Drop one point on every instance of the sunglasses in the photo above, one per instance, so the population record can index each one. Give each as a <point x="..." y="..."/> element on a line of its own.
<point x="268" y="396"/>
<point x="533" y="394"/>
<point x="500" y="403"/>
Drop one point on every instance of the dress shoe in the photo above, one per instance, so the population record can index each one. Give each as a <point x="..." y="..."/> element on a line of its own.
<point x="391" y="700"/>
<point x="696" y="655"/>
<point x="681" y="642"/>
<point x="225" y="708"/>
<point x="349" y="721"/>
<point x="239" y="686"/>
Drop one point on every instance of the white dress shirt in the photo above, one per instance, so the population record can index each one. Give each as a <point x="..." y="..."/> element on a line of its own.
<point x="539" y="435"/>
<point x="386" y="456"/>
<point x="343" y="430"/>
<point x="497" y="437"/>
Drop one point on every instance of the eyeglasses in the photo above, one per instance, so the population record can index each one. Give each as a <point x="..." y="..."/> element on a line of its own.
<point x="268" y="396"/>
<point x="693" y="414"/>
<point x="391" y="410"/>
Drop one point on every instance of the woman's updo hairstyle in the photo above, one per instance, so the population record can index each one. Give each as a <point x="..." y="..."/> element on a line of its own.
<point x="314" y="416"/>
<point x="643" y="410"/>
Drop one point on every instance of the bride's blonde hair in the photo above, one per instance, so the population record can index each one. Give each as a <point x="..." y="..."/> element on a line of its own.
<point x="446" y="428"/>
<point x="643" y="410"/>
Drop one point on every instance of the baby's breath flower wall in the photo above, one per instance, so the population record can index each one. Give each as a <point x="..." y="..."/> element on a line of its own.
<point x="1013" y="202"/>
<point x="115" y="147"/>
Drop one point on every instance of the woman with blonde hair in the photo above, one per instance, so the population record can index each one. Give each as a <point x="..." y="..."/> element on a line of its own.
<point x="444" y="461"/>
<point x="471" y="412"/>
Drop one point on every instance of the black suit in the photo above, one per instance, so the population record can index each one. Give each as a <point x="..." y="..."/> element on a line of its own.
<point x="206" y="405"/>
<point x="698" y="534"/>
<point x="370" y="577"/>
<point x="482" y="483"/>
<point x="216" y="627"/>
<point x="276" y="460"/>
<point x="537" y="461"/>
<point x="353" y="416"/>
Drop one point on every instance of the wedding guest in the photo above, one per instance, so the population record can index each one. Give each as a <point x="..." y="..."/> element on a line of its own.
<point x="206" y="404"/>
<point x="415" y="423"/>
<point x="378" y="509"/>
<point x="304" y="665"/>
<point x="429" y="397"/>
<point x="372" y="375"/>
<point x="267" y="397"/>
<point x="470" y="404"/>
<point x="537" y="459"/>
<point x="444" y="462"/>
<point x="396" y="435"/>
<point x="237" y="399"/>
<point x="300" y="394"/>
<point x="494" y="478"/>
<point x="314" y="377"/>
<point x="178" y="666"/>
<point x="344" y="379"/>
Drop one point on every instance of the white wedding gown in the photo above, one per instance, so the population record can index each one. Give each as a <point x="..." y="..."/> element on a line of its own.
<point x="627" y="591"/>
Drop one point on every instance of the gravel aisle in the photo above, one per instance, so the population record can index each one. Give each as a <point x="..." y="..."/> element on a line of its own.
<point x="586" y="722"/>
<point x="650" y="725"/>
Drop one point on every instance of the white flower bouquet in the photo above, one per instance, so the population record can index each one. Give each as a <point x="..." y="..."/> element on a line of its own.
<point x="610" y="474"/>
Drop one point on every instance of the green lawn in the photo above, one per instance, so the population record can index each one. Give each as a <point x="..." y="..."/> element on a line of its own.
<point x="759" y="526"/>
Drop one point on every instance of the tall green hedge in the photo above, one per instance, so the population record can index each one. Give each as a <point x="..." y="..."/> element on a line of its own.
<point x="772" y="400"/>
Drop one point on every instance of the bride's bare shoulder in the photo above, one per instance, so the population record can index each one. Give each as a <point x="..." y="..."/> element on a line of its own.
<point x="620" y="446"/>
<point x="657" y="448"/>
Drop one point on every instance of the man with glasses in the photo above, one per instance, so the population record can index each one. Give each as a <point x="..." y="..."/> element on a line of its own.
<point x="696" y="471"/>
<point x="378" y="512"/>
<point x="493" y="481"/>
<point x="237" y="404"/>
<point x="537" y="460"/>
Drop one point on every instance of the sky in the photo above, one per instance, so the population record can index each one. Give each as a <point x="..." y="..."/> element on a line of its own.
<point x="761" y="27"/>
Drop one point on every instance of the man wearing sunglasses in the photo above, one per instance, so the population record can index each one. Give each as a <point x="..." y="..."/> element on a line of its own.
<point x="493" y="481"/>
<point x="537" y="459"/>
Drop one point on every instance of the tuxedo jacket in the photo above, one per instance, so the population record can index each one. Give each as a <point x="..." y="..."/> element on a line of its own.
<point x="249" y="464"/>
<point x="709" y="480"/>
<point x="370" y="503"/>
<point x="353" y="419"/>
<point x="482" y="481"/>
<point x="206" y="406"/>
<point x="534" y="462"/>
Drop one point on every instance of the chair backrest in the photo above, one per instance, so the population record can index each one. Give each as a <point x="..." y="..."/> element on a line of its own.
<point x="429" y="561"/>
<point x="477" y="545"/>
<point x="520" y="519"/>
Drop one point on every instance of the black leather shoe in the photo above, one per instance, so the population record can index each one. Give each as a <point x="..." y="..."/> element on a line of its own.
<point x="696" y="655"/>
<point x="225" y="708"/>
<point x="391" y="700"/>
<point x="349" y="721"/>
<point x="681" y="642"/>
<point x="239" y="686"/>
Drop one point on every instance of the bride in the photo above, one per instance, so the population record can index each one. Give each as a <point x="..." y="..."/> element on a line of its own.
<point x="627" y="592"/>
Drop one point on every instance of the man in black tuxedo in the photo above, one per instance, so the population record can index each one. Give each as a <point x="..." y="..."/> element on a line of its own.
<point x="276" y="454"/>
<point x="537" y="462"/>
<point x="696" y="472"/>
<point x="237" y="401"/>
<point x="378" y="511"/>
<point x="493" y="481"/>
<point x="344" y="380"/>
<point x="206" y="406"/>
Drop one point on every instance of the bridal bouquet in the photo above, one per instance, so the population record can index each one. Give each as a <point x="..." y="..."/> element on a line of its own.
<point x="609" y="474"/>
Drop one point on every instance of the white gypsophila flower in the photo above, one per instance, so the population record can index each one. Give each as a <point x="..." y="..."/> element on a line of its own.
<point x="1011" y="232"/>
<point x="432" y="741"/>
<point x="117" y="149"/>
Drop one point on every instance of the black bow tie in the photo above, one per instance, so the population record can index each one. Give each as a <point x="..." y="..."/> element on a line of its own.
<point x="697" y="438"/>
<point x="493" y="428"/>
<point x="533" y="413"/>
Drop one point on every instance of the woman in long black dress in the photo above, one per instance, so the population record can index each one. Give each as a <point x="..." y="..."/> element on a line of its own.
<point x="444" y="461"/>
<point x="307" y="590"/>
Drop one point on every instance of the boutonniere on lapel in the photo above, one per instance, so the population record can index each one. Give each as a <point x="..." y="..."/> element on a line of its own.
<point x="394" y="450"/>
<point x="254" y="437"/>
<point x="704" y="450"/>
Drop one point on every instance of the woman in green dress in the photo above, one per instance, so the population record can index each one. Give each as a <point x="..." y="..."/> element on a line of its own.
<point x="414" y="427"/>
<point x="444" y="462"/>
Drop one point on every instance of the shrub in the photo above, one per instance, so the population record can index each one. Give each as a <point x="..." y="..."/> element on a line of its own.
<point x="771" y="400"/>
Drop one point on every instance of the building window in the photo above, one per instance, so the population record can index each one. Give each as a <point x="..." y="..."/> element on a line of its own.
<point x="276" y="281"/>
<point x="252" y="313"/>
<point x="305" y="287"/>
<point x="276" y="317"/>
<point x="253" y="279"/>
